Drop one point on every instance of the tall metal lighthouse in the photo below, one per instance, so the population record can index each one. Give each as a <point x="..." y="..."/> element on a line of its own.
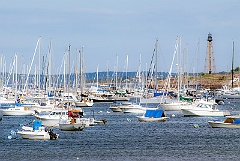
<point x="209" y="60"/>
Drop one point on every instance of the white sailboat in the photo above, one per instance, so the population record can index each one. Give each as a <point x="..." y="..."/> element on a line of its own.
<point x="72" y="122"/>
<point x="175" y="104"/>
<point x="16" y="110"/>
<point x="84" y="102"/>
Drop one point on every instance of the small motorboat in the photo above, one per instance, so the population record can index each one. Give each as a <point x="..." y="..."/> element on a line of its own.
<point x="153" y="116"/>
<point x="37" y="132"/>
<point x="229" y="122"/>
<point x="204" y="109"/>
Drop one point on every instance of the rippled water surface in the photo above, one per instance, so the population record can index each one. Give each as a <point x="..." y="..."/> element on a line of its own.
<point x="124" y="138"/>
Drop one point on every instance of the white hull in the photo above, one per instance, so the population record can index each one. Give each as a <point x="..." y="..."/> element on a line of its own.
<point x="71" y="127"/>
<point x="54" y="122"/>
<point x="34" y="135"/>
<point x="218" y="124"/>
<point x="151" y="119"/>
<point x="71" y="124"/>
<point x="174" y="106"/>
<point x="52" y="119"/>
<point x="40" y="134"/>
<point x="202" y="112"/>
<point x="116" y="109"/>
<point x="231" y="96"/>
<point x="15" y="112"/>
<point x="134" y="109"/>
<point x="137" y="111"/>
<point x="155" y="100"/>
<point x="84" y="104"/>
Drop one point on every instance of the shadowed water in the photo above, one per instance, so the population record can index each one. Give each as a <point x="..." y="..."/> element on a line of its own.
<point x="124" y="138"/>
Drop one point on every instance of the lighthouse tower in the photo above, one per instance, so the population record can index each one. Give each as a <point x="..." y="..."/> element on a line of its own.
<point x="209" y="60"/>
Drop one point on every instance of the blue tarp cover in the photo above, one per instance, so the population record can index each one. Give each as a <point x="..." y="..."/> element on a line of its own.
<point x="37" y="124"/>
<point x="154" y="113"/>
<point x="237" y="122"/>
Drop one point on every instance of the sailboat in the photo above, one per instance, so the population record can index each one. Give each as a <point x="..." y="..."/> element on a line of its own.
<point x="84" y="102"/>
<point x="175" y="104"/>
<point x="234" y="93"/>
<point x="17" y="110"/>
<point x="72" y="123"/>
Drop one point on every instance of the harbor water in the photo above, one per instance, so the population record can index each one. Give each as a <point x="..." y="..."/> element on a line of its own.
<point x="125" y="138"/>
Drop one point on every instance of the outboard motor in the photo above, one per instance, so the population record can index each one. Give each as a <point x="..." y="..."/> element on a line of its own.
<point x="53" y="136"/>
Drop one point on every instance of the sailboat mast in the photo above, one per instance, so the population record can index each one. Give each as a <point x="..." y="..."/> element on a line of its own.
<point x="39" y="66"/>
<point x="156" y="65"/>
<point x="126" y="72"/>
<point x="50" y="64"/>
<point x="81" y="71"/>
<point x="232" y="63"/>
<point x="68" y="73"/>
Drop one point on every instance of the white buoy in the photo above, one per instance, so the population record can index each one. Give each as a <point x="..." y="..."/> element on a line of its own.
<point x="173" y="115"/>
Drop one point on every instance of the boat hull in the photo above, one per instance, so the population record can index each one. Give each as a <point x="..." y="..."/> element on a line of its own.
<point x="219" y="124"/>
<point x="16" y="113"/>
<point x="35" y="135"/>
<point x="116" y="109"/>
<point x="174" y="106"/>
<point x="71" y="127"/>
<point x="151" y="119"/>
<point x="50" y="122"/>
<point x="84" y="104"/>
<point x="196" y="112"/>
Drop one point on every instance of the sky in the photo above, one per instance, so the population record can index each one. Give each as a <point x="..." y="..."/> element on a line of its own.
<point x="109" y="31"/>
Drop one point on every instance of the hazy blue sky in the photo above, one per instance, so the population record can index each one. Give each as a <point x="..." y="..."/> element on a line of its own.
<point x="121" y="27"/>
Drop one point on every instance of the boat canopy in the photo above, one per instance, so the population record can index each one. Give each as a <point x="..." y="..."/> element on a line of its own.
<point x="189" y="99"/>
<point x="236" y="122"/>
<point x="154" y="113"/>
<point x="37" y="124"/>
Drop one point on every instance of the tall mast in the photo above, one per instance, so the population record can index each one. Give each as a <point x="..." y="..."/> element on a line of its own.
<point x="16" y="73"/>
<point x="126" y="71"/>
<point x="50" y="64"/>
<point x="156" y="65"/>
<point x="81" y="70"/>
<point x="76" y="70"/>
<point x="232" y="63"/>
<point x="68" y="73"/>
<point x="39" y="66"/>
